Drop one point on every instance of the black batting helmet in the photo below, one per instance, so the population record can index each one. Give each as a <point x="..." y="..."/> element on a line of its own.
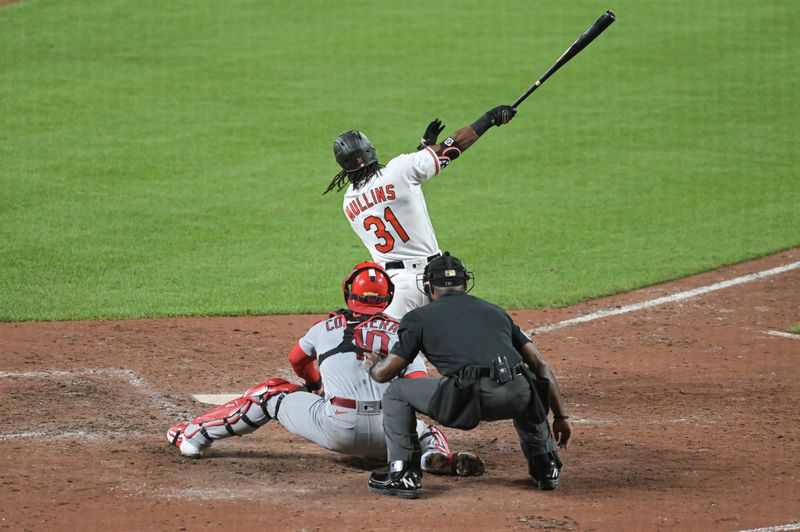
<point x="354" y="151"/>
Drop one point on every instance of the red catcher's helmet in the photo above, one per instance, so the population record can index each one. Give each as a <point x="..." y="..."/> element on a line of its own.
<point x="368" y="289"/>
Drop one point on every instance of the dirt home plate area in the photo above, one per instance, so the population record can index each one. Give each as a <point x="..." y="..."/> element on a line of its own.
<point x="685" y="417"/>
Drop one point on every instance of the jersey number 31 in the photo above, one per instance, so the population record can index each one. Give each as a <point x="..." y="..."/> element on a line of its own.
<point x="374" y="223"/>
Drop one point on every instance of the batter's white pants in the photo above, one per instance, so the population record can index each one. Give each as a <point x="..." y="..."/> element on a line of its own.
<point x="407" y="296"/>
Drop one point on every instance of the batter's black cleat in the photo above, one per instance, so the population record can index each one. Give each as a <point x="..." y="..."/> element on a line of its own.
<point x="401" y="480"/>
<point x="545" y="469"/>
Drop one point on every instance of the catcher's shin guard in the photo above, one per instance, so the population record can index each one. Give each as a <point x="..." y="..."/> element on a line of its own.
<point x="437" y="458"/>
<point x="235" y="418"/>
<point x="175" y="437"/>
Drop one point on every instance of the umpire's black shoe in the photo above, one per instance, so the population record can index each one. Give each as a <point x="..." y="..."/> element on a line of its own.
<point x="545" y="469"/>
<point x="402" y="480"/>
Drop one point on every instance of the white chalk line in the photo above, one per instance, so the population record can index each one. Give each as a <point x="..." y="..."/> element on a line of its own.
<point x="784" y="334"/>
<point x="129" y="376"/>
<point x="220" y="493"/>
<point x="680" y="296"/>
<point x="777" y="528"/>
<point x="50" y="435"/>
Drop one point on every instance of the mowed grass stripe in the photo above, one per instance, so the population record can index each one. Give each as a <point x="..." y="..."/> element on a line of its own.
<point x="167" y="159"/>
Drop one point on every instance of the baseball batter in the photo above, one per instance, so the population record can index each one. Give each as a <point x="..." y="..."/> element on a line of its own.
<point x="339" y="408"/>
<point x="385" y="206"/>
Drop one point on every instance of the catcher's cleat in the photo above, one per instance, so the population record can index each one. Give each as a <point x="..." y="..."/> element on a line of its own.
<point x="175" y="437"/>
<point x="459" y="464"/>
<point x="545" y="469"/>
<point x="401" y="480"/>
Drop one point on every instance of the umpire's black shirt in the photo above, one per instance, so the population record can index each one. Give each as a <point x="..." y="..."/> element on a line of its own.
<point x="459" y="330"/>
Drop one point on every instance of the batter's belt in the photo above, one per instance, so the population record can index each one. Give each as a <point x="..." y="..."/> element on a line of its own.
<point x="414" y="264"/>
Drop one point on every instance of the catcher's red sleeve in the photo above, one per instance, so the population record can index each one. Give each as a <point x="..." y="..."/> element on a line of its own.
<point x="303" y="365"/>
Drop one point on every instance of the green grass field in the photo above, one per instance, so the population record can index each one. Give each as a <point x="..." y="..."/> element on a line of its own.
<point x="167" y="158"/>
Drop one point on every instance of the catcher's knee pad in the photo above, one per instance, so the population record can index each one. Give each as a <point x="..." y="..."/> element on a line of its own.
<point x="433" y="439"/>
<point x="244" y="414"/>
<point x="261" y="392"/>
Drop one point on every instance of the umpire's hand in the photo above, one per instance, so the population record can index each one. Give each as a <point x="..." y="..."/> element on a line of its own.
<point x="370" y="359"/>
<point x="562" y="432"/>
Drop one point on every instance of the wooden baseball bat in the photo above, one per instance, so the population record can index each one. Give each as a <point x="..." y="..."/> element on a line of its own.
<point x="582" y="42"/>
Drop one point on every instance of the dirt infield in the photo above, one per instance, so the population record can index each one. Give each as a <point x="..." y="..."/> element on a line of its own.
<point x="685" y="418"/>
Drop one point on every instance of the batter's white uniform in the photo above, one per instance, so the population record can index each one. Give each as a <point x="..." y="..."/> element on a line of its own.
<point x="349" y="418"/>
<point x="389" y="215"/>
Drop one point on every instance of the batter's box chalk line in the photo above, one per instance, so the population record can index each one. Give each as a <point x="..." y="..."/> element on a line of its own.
<point x="784" y="334"/>
<point x="55" y="434"/>
<point x="680" y="296"/>
<point x="128" y="376"/>
<point x="214" y="494"/>
<point x="777" y="528"/>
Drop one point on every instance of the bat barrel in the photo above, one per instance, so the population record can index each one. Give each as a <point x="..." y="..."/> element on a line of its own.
<point x="605" y="20"/>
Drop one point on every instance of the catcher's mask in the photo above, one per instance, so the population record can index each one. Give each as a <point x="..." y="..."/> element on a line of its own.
<point x="368" y="289"/>
<point x="445" y="270"/>
<point x="354" y="151"/>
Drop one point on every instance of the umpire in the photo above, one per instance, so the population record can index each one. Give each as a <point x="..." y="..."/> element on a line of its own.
<point x="491" y="371"/>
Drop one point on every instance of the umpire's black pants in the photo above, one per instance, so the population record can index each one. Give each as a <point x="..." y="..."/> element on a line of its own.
<point x="405" y="397"/>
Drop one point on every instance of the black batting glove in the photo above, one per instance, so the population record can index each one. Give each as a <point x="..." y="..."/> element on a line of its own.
<point x="431" y="135"/>
<point x="502" y="114"/>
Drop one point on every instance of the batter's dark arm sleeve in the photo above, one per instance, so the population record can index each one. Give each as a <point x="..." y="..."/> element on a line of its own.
<point x="460" y="140"/>
<point x="469" y="135"/>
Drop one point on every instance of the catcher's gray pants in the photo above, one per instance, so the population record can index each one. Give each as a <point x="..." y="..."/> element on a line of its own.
<point x="339" y="429"/>
<point x="405" y="397"/>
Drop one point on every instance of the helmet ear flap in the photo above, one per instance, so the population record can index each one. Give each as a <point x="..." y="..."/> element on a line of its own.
<point x="368" y="289"/>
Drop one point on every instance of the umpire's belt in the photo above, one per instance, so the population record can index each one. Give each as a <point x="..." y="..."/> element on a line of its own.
<point x="362" y="407"/>
<point x="487" y="372"/>
<point x="412" y="264"/>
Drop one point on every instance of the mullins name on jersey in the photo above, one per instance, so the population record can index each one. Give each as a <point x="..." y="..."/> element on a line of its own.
<point x="368" y="199"/>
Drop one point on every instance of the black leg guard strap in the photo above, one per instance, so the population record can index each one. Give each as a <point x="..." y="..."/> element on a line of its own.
<point x="278" y="404"/>
<point x="263" y="405"/>
<point x="250" y="423"/>
<point x="228" y="427"/>
<point x="204" y="433"/>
